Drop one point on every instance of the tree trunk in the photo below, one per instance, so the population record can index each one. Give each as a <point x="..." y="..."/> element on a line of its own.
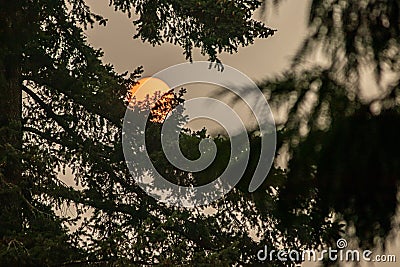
<point x="10" y="125"/>
<point x="10" y="121"/>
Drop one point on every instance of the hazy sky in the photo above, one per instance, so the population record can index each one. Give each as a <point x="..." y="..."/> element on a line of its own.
<point x="264" y="58"/>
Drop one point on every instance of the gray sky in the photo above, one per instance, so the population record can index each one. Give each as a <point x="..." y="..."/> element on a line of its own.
<point x="265" y="58"/>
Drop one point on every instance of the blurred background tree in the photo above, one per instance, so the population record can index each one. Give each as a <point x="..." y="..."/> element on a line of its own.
<point x="338" y="115"/>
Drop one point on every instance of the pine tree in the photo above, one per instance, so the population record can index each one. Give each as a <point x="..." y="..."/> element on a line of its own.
<point x="61" y="107"/>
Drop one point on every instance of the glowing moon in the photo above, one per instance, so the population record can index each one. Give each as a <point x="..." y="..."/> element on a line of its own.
<point x="148" y="86"/>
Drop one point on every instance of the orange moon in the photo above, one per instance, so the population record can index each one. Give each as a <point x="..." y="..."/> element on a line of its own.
<point x="148" y="87"/>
